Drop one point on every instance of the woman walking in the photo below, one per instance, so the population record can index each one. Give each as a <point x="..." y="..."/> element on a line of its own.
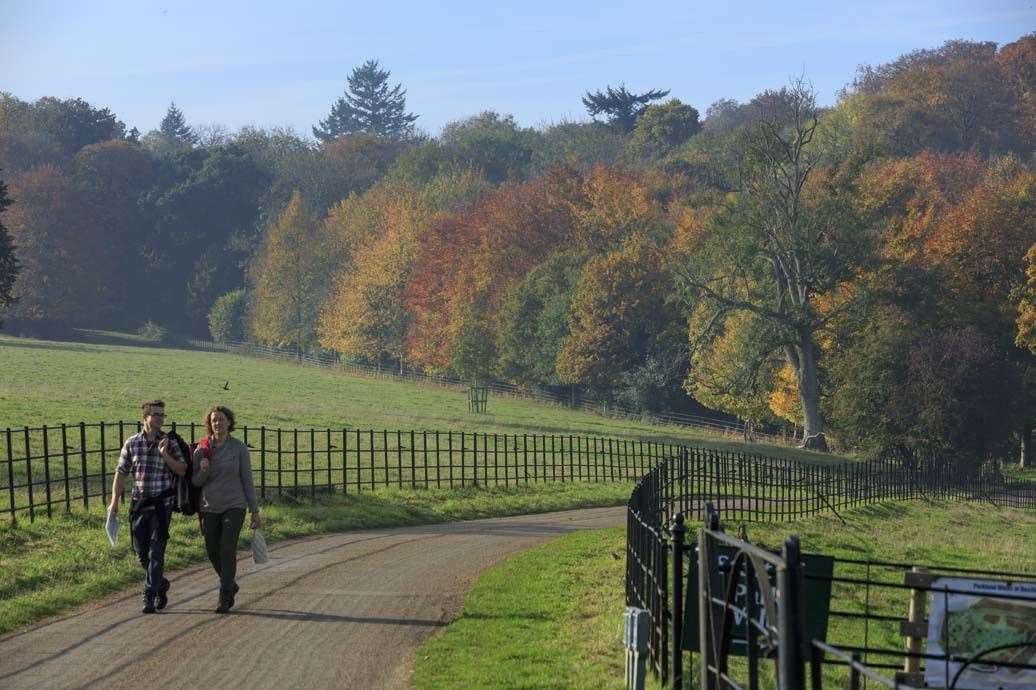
<point x="224" y="472"/>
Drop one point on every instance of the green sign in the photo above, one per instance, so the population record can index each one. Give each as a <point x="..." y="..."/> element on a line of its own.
<point x="818" y="599"/>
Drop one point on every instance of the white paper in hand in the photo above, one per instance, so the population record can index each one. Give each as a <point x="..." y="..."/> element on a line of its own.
<point x="259" y="553"/>
<point x="111" y="527"/>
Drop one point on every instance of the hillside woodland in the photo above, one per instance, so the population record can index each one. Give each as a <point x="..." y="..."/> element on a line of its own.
<point x="864" y="272"/>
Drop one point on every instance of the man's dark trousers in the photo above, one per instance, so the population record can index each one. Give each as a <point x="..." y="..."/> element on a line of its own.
<point x="150" y="528"/>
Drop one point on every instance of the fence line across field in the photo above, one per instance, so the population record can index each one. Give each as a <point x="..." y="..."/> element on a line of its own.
<point x="56" y="468"/>
<point x="61" y="467"/>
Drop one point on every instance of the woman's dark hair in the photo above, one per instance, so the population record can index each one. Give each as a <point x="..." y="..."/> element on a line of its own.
<point x="219" y="408"/>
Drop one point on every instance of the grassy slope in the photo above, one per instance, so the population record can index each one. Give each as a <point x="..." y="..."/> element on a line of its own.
<point x="551" y="617"/>
<point x="59" y="382"/>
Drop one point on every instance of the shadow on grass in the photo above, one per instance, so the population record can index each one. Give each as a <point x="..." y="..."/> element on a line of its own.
<point x="881" y="511"/>
<point x="478" y="616"/>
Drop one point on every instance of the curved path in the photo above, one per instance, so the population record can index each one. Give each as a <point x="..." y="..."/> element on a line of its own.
<point x="340" y="610"/>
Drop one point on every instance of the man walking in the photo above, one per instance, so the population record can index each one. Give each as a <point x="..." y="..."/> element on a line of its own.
<point x="153" y="460"/>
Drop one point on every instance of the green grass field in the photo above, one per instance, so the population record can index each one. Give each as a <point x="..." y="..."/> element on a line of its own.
<point x="399" y="433"/>
<point x="551" y="617"/>
<point x="61" y="382"/>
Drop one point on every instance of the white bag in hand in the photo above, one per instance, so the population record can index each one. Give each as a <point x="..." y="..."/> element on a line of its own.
<point x="259" y="552"/>
<point x="111" y="527"/>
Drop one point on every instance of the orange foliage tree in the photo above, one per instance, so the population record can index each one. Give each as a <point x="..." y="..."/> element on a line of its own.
<point x="468" y="261"/>
<point x="956" y="230"/>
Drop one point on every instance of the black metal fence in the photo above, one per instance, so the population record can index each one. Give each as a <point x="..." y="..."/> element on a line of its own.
<point x="752" y="489"/>
<point x="53" y="469"/>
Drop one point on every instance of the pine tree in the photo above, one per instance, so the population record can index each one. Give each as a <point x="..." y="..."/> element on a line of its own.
<point x="8" y="261"/>
<point x="621" y="106"/>
<point x="368" y="106"/>
<point x="174" y="126"/>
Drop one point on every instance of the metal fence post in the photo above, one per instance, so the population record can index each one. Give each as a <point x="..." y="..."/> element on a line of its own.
<point x="791" y="657"/>
<point x="677" y="533"/>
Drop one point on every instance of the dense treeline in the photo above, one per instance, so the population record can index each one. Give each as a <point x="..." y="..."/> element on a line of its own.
<point x="866" y="272"/>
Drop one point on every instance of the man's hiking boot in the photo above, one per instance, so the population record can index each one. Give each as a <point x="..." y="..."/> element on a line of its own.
<point x="149" y="604"/>
<point x="162" y="598"/>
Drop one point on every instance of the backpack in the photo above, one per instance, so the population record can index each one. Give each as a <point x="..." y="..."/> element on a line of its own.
<point x="188" y="496"/>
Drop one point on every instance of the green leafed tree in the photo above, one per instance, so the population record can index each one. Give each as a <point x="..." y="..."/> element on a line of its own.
<point x="290" y="279"/>
<point x="663" y="127"/>
<point x="491" y="143"/>
<point x="368" y="106"/>
<point x="621" y="107"/>
<point x="8" y="261"/>
<point x="534" y="320"/>
<point x="226" y="319"/>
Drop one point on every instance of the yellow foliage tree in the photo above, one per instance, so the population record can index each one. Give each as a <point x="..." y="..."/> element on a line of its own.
<point x="729" y="370"/>
<point x="289" y="279"/>
<point x="366" y="315"/>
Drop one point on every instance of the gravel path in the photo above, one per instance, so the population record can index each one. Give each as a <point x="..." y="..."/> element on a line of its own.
<point x="341" y="610"/>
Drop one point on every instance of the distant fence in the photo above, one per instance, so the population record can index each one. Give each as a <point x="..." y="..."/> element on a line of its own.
<point x="53" y="469"/>
<point x="748" y="488"/>
<point x="331" y="361"/>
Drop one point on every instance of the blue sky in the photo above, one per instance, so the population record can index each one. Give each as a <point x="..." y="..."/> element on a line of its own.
<point x="282" y="64"/>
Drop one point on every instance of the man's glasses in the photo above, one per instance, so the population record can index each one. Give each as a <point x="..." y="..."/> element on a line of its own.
<point x="156" y="414"/>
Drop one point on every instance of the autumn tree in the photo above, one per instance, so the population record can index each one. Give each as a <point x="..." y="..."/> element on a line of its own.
<point x="368" y="106"/>
<point x="789" y="235"/>
<point x="289" y="279"/>
<point x="625" y="337"/>
<point x="67" y="264"/>
<point x="365" y="315"/>
<point x="468" y="259"/>
<point x="958" y="97"/>
<point x="608" y="205"/>
<point x="9" y="266"/>
<point x="953" y="231"/>
<point x="1017" y="64"/>
<point x="621" y="107"/>
<point x="733" y="364"/>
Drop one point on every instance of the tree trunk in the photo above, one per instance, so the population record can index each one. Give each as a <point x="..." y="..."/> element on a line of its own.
<point x="809" y="394"/>
<point x="1025" y="458"/>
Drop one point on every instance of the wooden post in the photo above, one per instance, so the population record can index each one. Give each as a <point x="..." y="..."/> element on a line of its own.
<point x="914" y="628"/>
